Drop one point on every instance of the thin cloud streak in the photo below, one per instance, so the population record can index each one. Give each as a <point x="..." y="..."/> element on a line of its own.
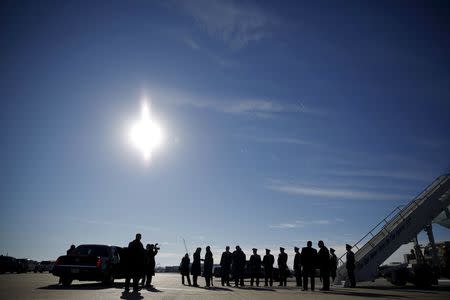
<point x="335" y="193"/>
<point x="300" y="224"/>
<point x="233" y="23"/>
<point x="404" y="175"/>
<point x="258" y="107"/>
<point x="278" y="140"/>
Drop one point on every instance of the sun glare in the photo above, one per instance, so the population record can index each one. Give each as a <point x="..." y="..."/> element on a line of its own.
<point x="146" y="134"/>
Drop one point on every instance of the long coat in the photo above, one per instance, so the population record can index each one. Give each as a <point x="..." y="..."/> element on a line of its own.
<point x="350" y="265"/>
<point x="150" y="263"/>
<point x="268" y="262"/>
<point x="255" y="264"/>
<point x="282" y="263"/>
<point x="225" y="261"/>
<point x="208" y="265"/>
<point x="333" y="264"/>
<point x="196" y="268"/>
<point x="184" y="266"/>
<point x="323" y="259"/>
<point x="136" y="257"/>
<point x="238" y="265"/>
<point x="309" y="258"/>
<point x="297" y="262"/>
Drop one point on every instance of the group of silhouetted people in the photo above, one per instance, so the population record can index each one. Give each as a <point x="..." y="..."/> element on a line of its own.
<point x="139" y="263"/>
<point x="233" y="264"/>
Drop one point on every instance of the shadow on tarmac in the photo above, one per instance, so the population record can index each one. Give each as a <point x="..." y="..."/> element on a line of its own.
<point x="131" y="296"/>
<point x="354" y="293"/>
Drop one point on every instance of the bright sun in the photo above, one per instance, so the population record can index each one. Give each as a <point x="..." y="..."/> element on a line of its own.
<point x="145" y="134"/>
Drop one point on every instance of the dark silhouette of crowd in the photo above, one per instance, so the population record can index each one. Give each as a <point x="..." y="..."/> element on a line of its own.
<point x="139" y="264"/>
<point x="234" y="265"/>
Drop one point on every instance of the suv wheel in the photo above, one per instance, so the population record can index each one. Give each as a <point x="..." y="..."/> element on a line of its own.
<point x="109" y="279"/>
<point x="65" y="281"/>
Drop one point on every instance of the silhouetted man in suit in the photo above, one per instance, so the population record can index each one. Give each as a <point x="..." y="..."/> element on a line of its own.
<point x="323" y="261"/>
<point x="350" y="265"/>
<point x="136" y="263"/>
<point x="208" y="266"/>
<point x="196" y="269"/>
<point x="268" y="262"/>
<point x="184" y="269"/>
<point x="282" y="267"/>
<point x="309" y="257"/>
<point x="255" y="267"/>
<point x="333" y="264"/>
<point x="225" y="266"/>
<point x="298" y="266"/>
<point x="239" y="260"/>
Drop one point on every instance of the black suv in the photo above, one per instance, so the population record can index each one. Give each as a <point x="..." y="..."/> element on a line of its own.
<point x="90" y="263"/>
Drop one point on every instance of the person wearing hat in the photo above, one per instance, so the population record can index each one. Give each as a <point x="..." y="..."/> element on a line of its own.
<point x="309" y="258"/>
<point x="323" y="261"/>
<point x="298" y="266"/>
<point x="282" y="267"/>
<point x="255" y="267"/>
<point x="208" y="266"/>
<point x="225" y="266"/>
<point x="268" y="262"/>
<point x="350" y="265"/>
<point x="333" y="264"/>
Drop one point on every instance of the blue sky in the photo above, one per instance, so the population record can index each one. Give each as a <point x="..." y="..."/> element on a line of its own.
<point x="283" y="121"/>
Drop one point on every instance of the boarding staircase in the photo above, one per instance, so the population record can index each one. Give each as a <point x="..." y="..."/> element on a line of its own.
<point x="398" y="228"/>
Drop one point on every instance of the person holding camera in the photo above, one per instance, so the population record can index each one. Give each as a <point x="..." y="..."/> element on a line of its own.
<point x="150" y="264"/>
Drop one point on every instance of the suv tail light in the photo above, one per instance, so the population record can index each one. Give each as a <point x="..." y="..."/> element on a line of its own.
<point x="99" y="262"/>
<point x="58" y="261"/>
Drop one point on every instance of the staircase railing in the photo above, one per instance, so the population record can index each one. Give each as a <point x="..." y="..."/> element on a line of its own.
<point x="397" y="215"/>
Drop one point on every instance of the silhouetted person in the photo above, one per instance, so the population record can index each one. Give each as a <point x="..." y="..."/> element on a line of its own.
<point x="238" y="266"/>
<point x="268" y="262"/>
<point x="350" y="265"/>
<point x="150" y="264"/>
<point x="225" y="266"/>
<point x="136" y="263"/>
<point x="184" y="268"/>
<point x="298" y="266"/>
<point x="333" y="264"/>
<point x="196" y="269"/>
<point x="282" y="267"/>
<point x="71" y="250"/>
<point x="208" y="266"/>
<point x="255" y="267"/>
<point x="323" y="262"/>
<point x="309" y="257"/>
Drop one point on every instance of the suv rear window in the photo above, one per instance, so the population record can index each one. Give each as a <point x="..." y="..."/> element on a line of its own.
<point x="95" y="250"/>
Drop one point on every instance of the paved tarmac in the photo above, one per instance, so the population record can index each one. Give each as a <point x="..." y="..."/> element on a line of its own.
<point x="168" y="286"/>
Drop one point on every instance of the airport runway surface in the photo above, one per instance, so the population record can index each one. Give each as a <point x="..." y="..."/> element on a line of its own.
<point x="168" y="286"/>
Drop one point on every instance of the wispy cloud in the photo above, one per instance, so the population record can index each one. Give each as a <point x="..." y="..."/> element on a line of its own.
<point x="300" y="224"/>
<point x="279" y="140"/>
<point x="257" y="107"/>
<point x="218" y="59"/>
<point x="405" y="175"/>
<point x="117" y="224"/>
<point x="191" y="43"/>
<point x="234" y="23"/>
<point x="334" y="193"/>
